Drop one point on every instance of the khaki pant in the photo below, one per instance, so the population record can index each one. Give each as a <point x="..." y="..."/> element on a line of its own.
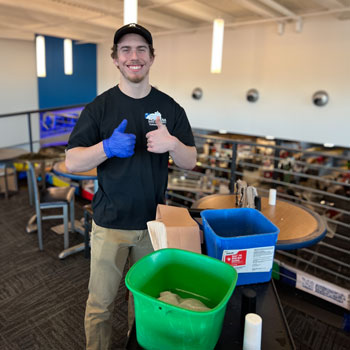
<point x="110" y="249"/>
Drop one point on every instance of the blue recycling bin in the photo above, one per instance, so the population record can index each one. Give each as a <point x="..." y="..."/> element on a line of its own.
<point x="243" y="238"/>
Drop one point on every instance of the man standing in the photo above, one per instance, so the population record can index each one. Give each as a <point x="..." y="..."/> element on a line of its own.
<point x="128" y="133"/>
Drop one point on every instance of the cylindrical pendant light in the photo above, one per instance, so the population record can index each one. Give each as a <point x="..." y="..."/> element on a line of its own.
<point x="217" y="46"/>
<point x="68" y="56"/>
<point x="40" y="56"/>
<point x="130" y="11"/>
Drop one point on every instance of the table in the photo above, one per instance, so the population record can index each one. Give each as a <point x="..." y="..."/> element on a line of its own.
<point x="7" y="155"/>
<point x="299" y="226"/>
<point x="60" y="169"/>
<point x="275" y="330"/>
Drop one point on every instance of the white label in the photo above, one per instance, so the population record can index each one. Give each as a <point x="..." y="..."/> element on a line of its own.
<point x="250" y="260"/>
<point x="323" y="289"/>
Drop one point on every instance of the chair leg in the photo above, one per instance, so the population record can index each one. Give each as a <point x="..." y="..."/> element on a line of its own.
<point x="30" y="189"/>
<point x="31" y="225"/>
<point x="66" y="231"/>
<point x="72" y="214"/>
<point x="15" y="176"/>
<point x="6" y="183"/>
<point x="40" y="232"/>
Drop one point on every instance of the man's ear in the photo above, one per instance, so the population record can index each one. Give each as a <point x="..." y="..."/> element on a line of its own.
<point x="115" y="61"/>
<point x="152" y="61"/>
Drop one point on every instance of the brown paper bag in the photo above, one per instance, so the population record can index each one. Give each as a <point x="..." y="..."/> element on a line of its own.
<point x="174" y="228"/>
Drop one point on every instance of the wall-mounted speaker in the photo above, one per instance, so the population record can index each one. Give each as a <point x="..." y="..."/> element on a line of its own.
<point x="320" y="98"/>
<point x="252" y="95"/>
<point x="197" y="93"/>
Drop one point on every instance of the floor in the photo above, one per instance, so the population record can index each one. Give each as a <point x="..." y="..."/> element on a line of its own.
<point x="42" y="298"/>
<point x="314" y="323"/>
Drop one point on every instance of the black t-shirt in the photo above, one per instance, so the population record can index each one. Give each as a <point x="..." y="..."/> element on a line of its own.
<point x="130" y="188"/>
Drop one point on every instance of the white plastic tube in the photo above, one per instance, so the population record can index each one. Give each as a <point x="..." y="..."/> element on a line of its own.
<point x="272" y="196"/>
<point x="252" y="332"/>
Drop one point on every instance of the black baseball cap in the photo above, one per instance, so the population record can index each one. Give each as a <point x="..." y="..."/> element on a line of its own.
<point x="133" y="28"/>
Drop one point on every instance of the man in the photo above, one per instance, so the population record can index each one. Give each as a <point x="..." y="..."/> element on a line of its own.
<point x="128" y="133"/>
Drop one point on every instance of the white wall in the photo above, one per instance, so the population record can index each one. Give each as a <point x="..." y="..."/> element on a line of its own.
<point x="18" y="90"/>
<point x="286" y="70"/>
<point x="107" y="72"/>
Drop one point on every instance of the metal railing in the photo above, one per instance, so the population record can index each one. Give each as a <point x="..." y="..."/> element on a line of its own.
<point x="28" y="115"/>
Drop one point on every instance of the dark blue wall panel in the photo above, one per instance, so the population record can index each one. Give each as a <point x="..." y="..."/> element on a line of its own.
<point x="58" y="89"/>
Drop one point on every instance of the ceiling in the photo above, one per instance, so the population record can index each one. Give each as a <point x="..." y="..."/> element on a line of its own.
<point x="95" y="21"/>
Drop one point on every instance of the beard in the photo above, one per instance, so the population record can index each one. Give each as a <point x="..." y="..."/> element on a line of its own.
<point x="133" y="78"/>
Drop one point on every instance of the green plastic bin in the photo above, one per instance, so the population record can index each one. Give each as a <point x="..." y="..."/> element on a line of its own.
<point x="190" y="275"/>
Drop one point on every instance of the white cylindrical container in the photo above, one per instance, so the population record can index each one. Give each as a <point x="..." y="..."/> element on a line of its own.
<point x="252" y="332"/>
<point x="272" y="196"/>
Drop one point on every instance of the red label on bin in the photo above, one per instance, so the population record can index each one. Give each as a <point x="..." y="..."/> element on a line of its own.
<point x="237" y="259"/>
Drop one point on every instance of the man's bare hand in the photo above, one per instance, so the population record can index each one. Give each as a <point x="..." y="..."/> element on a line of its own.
<point x="159" y="140"/>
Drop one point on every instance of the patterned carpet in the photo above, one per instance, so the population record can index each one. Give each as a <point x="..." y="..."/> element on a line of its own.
<point x="315" y="324"/>
<point x="309" y="333"/>
<point x="42" y="298"/>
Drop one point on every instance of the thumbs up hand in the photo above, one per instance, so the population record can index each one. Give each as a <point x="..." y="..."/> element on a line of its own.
<point x="159" y="140"/>
<point x="120" y="144"/>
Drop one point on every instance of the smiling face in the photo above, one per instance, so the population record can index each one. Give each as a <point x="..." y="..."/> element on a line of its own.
<point x="133" y="58"/>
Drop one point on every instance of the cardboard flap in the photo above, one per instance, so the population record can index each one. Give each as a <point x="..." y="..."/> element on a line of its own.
<point x="174" y="216"/>
<point x="158" y="234"/>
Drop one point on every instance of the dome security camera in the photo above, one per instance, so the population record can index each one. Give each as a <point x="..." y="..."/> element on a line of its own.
<point x="197" y="93"/>
<point x="320" y="98"/>
<point x="252" y="95"/>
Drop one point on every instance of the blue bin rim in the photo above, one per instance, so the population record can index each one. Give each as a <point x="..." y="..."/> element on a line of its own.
<point x="276" y="230"/>
<point x="174" y="307"/>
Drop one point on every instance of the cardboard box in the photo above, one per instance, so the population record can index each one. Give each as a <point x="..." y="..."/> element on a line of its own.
<point x="174" y="228"/>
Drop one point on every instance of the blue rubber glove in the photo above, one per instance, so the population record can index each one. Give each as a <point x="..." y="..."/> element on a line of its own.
<point x="120" y="144"/>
